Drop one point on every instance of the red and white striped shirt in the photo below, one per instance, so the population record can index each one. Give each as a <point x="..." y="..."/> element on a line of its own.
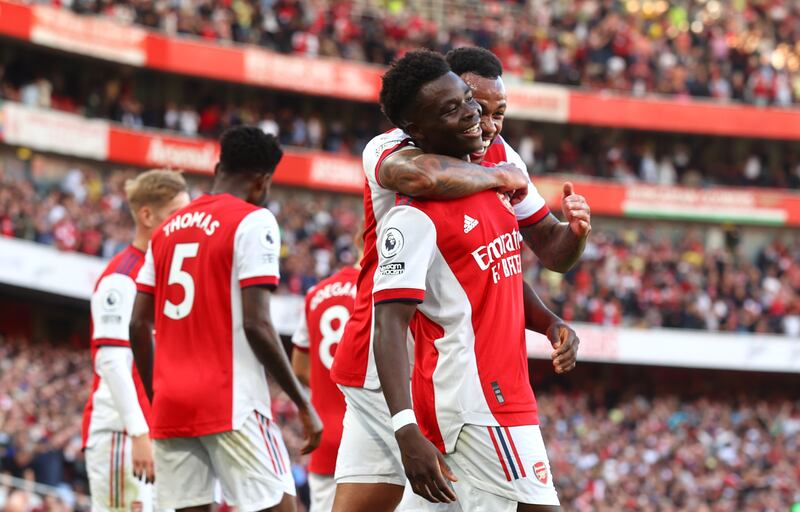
<point x="460" y="260"/>
<point x="206" y="378"/>
<point x="354" y="364"/>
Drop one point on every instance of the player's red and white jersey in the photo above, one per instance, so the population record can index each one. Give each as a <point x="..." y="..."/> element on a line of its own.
<point x="355" y="362"/>
<point x="111" y="309"/>
<point x="461" y="260"/>
<point x="533" y="208"/>
<point x="328" y="307"/>
<point x="206" y="378"/>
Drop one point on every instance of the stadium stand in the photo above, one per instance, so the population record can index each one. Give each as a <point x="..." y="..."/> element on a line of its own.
<point x="671" y="442"/>
<point x="628" y="276"/>
<point x="654" y="128"/>
<point x="195" y="108"/>
<point x="720" y="49"/>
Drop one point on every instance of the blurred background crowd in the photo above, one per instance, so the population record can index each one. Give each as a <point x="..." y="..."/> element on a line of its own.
<point x="727" y="50"/>
<point x="621" y="439"/>
<point x="643" y="443"/>
<point x="198" y="108"/>
<point x="631" y="274"/>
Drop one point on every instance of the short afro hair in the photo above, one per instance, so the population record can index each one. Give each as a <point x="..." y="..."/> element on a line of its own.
<point x="247" y="149"/>
<point x="473" y="59"/>
<point x="405" y="79"/>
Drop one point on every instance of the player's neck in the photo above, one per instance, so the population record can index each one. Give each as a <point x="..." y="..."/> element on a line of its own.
<point x="141" y="239"/>
<point x="233" y="187"/>
<point x="434" y="151"/>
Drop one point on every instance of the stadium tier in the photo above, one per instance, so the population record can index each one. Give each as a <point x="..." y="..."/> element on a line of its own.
<point x="676" y="120"/>
<point x="723" y="49"/>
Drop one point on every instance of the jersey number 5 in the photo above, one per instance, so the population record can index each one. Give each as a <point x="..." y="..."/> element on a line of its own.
<point x="331" y="336"/>
<point x="180" y="277"/>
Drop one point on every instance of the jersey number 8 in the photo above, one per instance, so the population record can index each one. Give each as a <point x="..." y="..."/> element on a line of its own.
<point x="331" y="336"/>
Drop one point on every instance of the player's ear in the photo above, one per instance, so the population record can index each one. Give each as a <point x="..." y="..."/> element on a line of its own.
<point x="145" y="216"/>
<point x="412" y="129"/>
<point x="266" y="183"/>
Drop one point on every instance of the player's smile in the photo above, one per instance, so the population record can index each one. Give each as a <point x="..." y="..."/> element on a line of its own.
<point x="491" y="96"/>
<point x="449" y="119"/>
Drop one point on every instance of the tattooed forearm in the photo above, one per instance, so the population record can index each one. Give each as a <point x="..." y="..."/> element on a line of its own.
<point x="554" y="243"/>
<point x="439" y="177"/>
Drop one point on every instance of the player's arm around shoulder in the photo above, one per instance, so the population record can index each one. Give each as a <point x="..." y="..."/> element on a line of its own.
<point x="417" y="174"/>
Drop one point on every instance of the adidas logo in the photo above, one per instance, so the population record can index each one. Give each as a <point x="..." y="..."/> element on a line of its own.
<point x="469" y="223"/>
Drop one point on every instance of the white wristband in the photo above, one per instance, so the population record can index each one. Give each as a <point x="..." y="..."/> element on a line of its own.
<point x="403" y="418"/>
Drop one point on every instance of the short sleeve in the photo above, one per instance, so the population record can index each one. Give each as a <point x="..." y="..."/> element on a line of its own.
<point x="146" y="279"/>
<point x="378" y="149"/>
<point x="257" y="246"/>
<point x="533" y="208"/>
<point x="406" y="246"/>
<point x="300" y="338"/>
<point x="112" y="305"/>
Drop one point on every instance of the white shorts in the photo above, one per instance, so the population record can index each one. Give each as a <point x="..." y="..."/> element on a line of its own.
<point x="414" y="503"/>
<point x="251" y="463"/>
<point x="368" y="453"/>
<point x="323" y="489"/>
<point x="112" y="485"/>
<point x="499" y="467"/>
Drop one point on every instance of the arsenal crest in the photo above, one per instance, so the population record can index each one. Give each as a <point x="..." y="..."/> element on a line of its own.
<point x="540" y="470"/>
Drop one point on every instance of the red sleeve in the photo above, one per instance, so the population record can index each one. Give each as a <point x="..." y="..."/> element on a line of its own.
<point x="111" y="342"/>
<point x="543" y="212"/>
<point x="145" y="289"/>
<point x="399" y="295"/>
<point x="259" y="281"/>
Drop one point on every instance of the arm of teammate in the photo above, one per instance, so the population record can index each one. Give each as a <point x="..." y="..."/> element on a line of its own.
<point x="257" y="253"/>
<point x="267" y="346"/>
<point x="562" y="337"/>
<point x="142" y="322"/>
<point x="417" y="174"/>
<point x="559" y="245"/>
<point x="141" y="333"/>
<point x="400" y="282"/>
<point x="112" y="307"/>
<point x="301" y="366"/>
<point x="113" y="364"/>
<point x="301" y="363"/>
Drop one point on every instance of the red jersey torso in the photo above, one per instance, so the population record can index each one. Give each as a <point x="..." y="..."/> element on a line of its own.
<point x="328" y="307"/>
<point x="206" y="378"/>
<point x="461" y="260"/>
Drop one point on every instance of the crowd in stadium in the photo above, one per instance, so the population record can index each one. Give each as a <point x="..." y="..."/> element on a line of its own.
<point x="627" y="276"/>
<point x="721" y="49"/>
<point x="43" y="390"/>
<point x="321" y="125"/>
<point x="614" y="447"/>
<point x="610" y="450"/>
<point x="638" y="277"/>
